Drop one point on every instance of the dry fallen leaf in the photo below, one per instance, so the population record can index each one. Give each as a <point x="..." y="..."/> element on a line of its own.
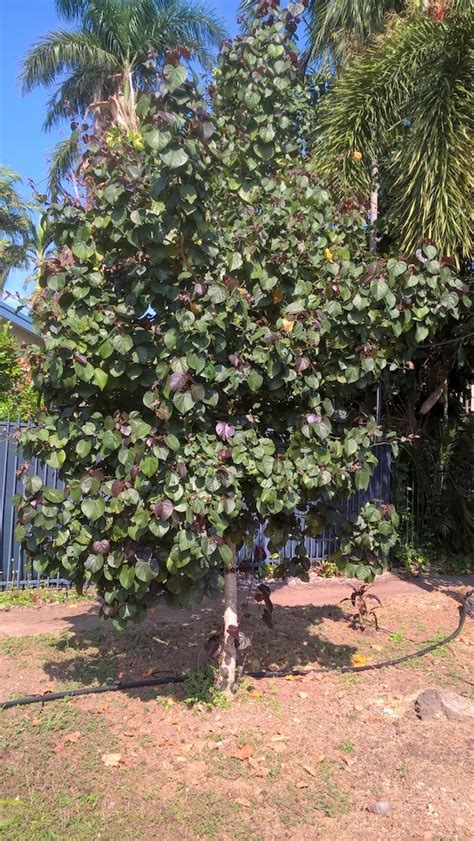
<point x="309" y="770"/>
<point x="359" y="660"/>
<point x="72" y="737"/>
<point x="302" y="695"/>
<point x="302" y="785"/>
<point x="243" y="802"/>
<point x="279" y="747"/>
<point x="243" y="752"/>
<point x="258" y="770"/>
<point x="111" y="760"/>
<point x="279" y="738"/>
<point x="255" y="693"/>
<point x="293" y="677"/>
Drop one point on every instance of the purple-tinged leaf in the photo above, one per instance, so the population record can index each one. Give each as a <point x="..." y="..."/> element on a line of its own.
<point x="118" y="487"/>
<point x="225" y="430"/>
<point x="200" y="289"/>
<point x="312" y="418"/>
<point x="301" y="364"/>
<point x="101" y="547"/>
<point x="163" y="509"/>
<point x="179" y="381"/>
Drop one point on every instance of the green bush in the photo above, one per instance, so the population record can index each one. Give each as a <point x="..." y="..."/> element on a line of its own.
<point x="18" y="398"/>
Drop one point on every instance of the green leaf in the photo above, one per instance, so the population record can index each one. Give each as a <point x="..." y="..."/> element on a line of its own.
<point x="172" y="442"/>
<point x="147" y="570"/>
<point x="140" y="429"/>
<point x="226" y="553"/>
<point x="421" y="333"/>
<point x="254" y="380"/>
<point x="127" y="576"/>
<point x="156" y="139"/>
<point x="53" y="495"/>
<point x="100" y="378"/>
<point x="175" y="76"/>
<point x="93" y="508"/>
<point x="350" y="447"/>
<point x="56" y="459"/>
<point x="32" y="485"/>
<point x="83" y="251"/>
<point x="184" y="402"/>
<point x="175" y="158"/>
<point x="83" y="448"/>
<point x="149" y="465"/>
<point x="94" y="563"/>
<point x="362" y="479"/>
<point x="122" y="343"/>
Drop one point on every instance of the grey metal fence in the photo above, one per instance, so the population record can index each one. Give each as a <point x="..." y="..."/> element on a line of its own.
<point x="16" y="569"/>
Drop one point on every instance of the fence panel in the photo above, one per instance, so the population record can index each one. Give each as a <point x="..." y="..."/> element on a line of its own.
<point x="16" y="570"/>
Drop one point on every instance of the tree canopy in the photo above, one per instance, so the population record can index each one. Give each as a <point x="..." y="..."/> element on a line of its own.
<point x="115" y="49"/>
<point x="214" y="331"/>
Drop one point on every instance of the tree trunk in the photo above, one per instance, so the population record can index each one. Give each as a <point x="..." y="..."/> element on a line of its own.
<point x="226" y="679"/>
<point x="374" y="208"/>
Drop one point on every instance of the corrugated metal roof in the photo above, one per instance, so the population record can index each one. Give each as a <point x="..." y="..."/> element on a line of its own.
<point x="17" y="318"/>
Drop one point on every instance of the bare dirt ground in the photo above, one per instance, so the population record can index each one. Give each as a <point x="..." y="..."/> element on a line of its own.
<point x="288" y="759"/>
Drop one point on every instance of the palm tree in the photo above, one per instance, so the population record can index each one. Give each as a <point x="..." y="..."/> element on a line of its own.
<point x="407" y="102"/>
<point x="16" y="228"/>
<point x="115" y="50"/>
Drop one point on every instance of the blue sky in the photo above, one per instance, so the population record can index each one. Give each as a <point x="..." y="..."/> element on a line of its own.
<point x="24" y="147"/>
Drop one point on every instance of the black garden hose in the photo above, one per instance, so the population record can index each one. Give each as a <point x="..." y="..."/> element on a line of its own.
<point x="466" y="609"/>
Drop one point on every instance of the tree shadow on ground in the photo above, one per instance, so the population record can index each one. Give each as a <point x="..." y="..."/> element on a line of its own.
<point x="103" y="655"/>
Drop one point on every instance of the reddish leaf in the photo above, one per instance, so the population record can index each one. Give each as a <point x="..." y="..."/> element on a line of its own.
<point x="163" y="509"/>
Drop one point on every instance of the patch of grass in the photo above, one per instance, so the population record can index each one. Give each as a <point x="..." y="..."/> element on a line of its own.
<point x="441" y="650"/>
<point x="403" y="771"/>
<point x="346" y="746"/>
<point x="396" y="636"/>
<point x="74" y="816"/>
<point x="201" y="690"/>
<point x="42" y="595"/>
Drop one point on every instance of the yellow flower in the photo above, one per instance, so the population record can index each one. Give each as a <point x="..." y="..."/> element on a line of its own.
<point x="288" y="325"/>
<point x="357" y="155"/>
<point x="328" y="255"/>
<point x="277" y="296"/>
<point x="242" y="291"/>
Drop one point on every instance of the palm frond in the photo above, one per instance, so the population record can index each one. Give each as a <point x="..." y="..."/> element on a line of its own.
<point x="407" y="101"/>
<point x="62" y="160"/>
<point x="77" y="92"/>
<point x="59" y="52"/>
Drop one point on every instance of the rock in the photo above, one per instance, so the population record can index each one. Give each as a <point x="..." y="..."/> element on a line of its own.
<point x="456" y="708"/>
<point x="380" y="807"/>
<point x="428" y="705"/>
<point x="435" y="703"/>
